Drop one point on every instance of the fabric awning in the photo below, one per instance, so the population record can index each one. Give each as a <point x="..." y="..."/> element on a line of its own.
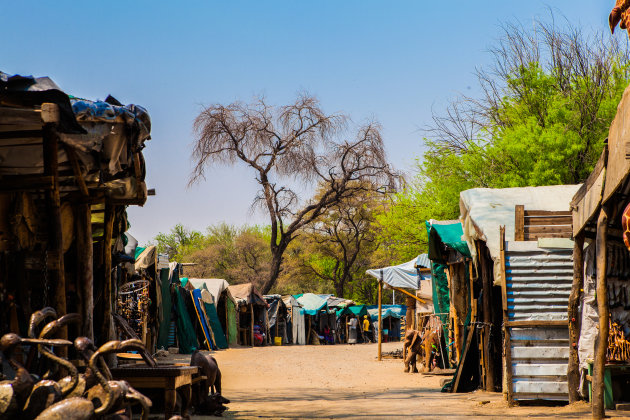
<point x="406" y="275"/>
<point x="312" y="303"/>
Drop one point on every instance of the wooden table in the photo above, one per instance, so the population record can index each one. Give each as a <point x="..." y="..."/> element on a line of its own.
<point x="169" y="378"/>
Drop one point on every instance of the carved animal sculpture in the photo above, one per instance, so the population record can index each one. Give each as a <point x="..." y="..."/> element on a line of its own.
<point x="418" y="345"/>
<point x="202" y="401"/>
<point x="413" y="346"/>
<point x="619" y="15"/>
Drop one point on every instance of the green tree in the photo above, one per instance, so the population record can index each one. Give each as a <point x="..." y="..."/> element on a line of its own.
<point x="543" y="114"/>
<point x="178" y="242"/>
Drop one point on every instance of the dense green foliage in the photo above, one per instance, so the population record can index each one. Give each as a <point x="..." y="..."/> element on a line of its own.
<point x="542" y="120"/>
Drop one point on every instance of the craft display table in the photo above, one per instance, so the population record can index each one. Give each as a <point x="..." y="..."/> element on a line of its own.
<point x="170" y="378"/>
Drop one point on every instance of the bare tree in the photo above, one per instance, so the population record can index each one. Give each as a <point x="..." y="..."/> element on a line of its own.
<point x="282" y="145"/>
<point x="340" y="243"/>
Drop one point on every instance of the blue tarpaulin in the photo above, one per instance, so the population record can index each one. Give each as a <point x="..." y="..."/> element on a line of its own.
<point x="312" y="303"/>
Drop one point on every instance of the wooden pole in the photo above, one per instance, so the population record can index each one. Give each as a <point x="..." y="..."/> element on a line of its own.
<point x="486" y="307"/>
<point x="108" y="327"/>
<point x="601" y="343"/>
<point x="251" y="332"/>
<point x="408" y="294"/>
<point x="85" y="267"/>
<point x="54" y="248"/>
<point x="380" y="317"/>
<point x="573" y="369"/>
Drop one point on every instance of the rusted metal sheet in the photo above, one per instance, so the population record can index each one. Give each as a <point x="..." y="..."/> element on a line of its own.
<point x="538" y="284"/>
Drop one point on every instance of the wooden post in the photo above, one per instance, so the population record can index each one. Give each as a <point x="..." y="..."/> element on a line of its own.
<point x="519" y="223"/>
<point x="486" y="307"/>
<point x="108" y="327"/>
<point x="251" y="333"/>
<point x="85" y="268"/>
<point x="601" y="343"/>
<point x="573" y="369"/>
<point x="380" y="313"/>
<point x="54" y="248"/>
<point x="409" y="324"/>
<point x="507" y="345"/>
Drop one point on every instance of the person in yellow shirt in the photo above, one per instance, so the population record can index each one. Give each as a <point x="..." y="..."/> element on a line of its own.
<point x="367" y="331"/>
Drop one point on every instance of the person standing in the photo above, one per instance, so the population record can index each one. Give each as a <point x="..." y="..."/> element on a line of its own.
<point x="367" y="332"/>
<point x="353" y="325"/>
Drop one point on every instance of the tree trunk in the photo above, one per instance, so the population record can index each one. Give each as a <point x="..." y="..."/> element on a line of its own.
<point x="573" y="370"/>
<point x="601" y="343"/>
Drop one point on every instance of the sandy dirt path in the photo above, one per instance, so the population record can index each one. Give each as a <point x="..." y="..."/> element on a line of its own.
<point x="344" y="381"/>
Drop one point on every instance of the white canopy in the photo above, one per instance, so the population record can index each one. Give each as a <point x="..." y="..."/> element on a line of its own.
<point x="405" y="275"/>
<point x="214" y="286"/>
<point x="483" y="210"/>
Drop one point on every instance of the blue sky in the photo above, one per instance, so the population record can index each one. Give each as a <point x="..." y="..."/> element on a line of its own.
<point x="389" y="61"/>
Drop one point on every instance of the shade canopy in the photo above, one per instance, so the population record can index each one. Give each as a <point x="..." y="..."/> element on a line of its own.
<point x="312" y="303"/>
<point x="406" y="275"/>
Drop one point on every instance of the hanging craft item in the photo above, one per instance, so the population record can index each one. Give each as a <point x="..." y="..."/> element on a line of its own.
<point x="133" y="305"/>
<point x="618" y="347"/>
<point x="625" y="226"/>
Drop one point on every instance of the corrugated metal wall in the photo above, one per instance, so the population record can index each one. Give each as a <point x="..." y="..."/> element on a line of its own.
<point x="538" y="284"/>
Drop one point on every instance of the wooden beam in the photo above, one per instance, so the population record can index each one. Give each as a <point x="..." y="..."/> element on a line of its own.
<point x="53" y="204"/>
<point x="529" y="213"/>
<point x="537" y="323"/>
<point x="398" y="289"/>
<point x="27" y="183"/>
<point x="19" y="116"/>
<point x="599" y="410"/>
<point x="573" y="369"/>
<point x="380" y="316"/>
<point x="251" y="333"/>
<point x="551" y="221"/>
<point x="76" y="169"/>
<point x="519" y="223"/>
<point x="108" y="327"/>
<point x="460" y="367"/>
<point x="85" y="267"/>
<point x="486" y="305"/>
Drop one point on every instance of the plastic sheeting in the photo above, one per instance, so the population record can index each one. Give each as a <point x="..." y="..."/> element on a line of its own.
<point x="246" y="293"/>
<point x="484" y="210"/>
<point x="312" y="303"/>
<point x="405" y="275"/>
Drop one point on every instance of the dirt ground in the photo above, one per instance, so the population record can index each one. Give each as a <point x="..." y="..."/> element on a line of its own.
<point x="344" y="381"/>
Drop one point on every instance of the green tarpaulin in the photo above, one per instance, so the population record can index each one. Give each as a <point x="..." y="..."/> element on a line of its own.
<point x="358" y="310"/>
<point x="215" y="325"/>
<point x="186" y="336"/>
<point x="232" y="333"/>
<point x="165" y="310"/>
<point x="446" y="233"/>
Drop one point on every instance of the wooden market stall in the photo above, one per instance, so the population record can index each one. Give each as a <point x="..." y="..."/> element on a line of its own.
<point x="251" y="314"/>
<point x="522" y="269"/>
<point x="68" y="169"/>
<point x="602" y="273"/>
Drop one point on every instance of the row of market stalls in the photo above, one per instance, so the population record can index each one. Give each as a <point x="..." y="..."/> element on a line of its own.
<point x="529" y="287"/>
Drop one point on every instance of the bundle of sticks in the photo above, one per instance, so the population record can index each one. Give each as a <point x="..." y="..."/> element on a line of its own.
<point x="618" y="347"/>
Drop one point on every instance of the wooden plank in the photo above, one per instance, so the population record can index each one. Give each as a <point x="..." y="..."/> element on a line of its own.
<point x="586" y="208"/>
<point x="76" y="169"/>
<point x="107" y="328"/>
<point x="549" y="220"/>
<point x="519" y="222"/>
<point x="541" y="387"/>
<point x="21" y="134"/>
<point x="541" y="230"/>
<point x="600" y="166"/>
<point x="533" y="236"/>
<point x="20" y="116"/>
<point x="539" y="323"/>
<point x="539" y="352"/>
<point x="85" y="267"/>
<point x="462" y="361"/>
<point x="617" y="165"/>
<point x="403" y="291"/>
<point x="540" y="369"/>
<point x="529" y="213"/>
<point x="27" y="182"/>
<point x="53" y="207"/>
